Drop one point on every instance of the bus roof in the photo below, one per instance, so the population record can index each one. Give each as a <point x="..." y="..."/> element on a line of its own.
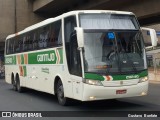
<point x="50" y="20"/>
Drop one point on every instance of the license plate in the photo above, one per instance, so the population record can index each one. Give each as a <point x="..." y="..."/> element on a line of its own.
<point x="121" y="91"/>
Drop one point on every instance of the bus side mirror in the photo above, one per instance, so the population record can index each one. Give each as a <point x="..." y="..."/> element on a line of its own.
<point x="153" y="37"/>
<point x="80" y="37"/>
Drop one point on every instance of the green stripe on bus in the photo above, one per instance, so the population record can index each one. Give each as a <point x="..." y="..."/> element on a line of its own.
<point x="22" y="59"/>
<point x="10" y="60"/>
<point x="44" y="57"/>
<point x="130" y="76"/>
<point x="61" y="55"/>
<point x="116" y="77"/>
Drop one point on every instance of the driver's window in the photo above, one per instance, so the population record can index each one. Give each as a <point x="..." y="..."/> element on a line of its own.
<point x="72" y="54"/>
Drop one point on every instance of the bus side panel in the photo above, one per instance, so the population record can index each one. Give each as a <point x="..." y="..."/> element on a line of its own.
<point x="8" y="73"/>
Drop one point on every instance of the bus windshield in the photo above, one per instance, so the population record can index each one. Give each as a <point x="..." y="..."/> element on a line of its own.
<point x="113" y="52"/>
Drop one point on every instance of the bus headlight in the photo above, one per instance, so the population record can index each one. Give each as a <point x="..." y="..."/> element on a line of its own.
<point x="93" y="82"/>
<point x="143" y="79"/>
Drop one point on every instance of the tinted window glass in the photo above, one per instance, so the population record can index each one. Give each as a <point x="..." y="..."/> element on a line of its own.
<point x="72" y="54"/>
<point x="55" y="34"/>
<point x="41" y="38"/>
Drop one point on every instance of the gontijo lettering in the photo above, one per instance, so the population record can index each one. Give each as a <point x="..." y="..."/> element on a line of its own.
<point x="132" y="77"/>
<point x="46" y="57"/>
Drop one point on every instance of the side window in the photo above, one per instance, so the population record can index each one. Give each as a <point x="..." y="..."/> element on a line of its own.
<point x="72" y="54"/>
<point x="55" y="34"/>
<point x="20" y="42"/>
<point x="11" y="46"/>
<point x="35" y="40"/>
<point x="27" y="42"/>
<point x="75" y="60"/>
<point x="16" y="45"/>
<point x="43" y="37"/>
<point x="70" y="24"/>
<point x="7" y="46"/>
<point x="25" y="46"/>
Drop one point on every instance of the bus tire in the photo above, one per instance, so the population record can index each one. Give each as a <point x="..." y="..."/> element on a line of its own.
<point x="60" y="94"/>
<point x="18" y="85"/>
<point x="14" y="83"/>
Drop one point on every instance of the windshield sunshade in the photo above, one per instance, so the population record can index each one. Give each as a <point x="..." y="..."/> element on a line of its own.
<point x="108" y="21"/>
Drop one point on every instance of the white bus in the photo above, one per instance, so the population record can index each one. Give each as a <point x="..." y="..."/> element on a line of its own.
<point x="83" y="55"/>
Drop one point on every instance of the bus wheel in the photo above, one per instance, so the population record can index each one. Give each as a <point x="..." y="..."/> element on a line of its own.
<point x="14" y="83"/>
<point x="60" y="94"/>
<point x="19" y="88"/>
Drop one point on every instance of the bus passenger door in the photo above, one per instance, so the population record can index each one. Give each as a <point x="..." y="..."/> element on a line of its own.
<point x="75" y="67"/>
<point x="73" y="56"/>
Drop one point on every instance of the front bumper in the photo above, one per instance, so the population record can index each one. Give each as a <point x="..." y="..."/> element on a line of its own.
<point x="92" y="92"/>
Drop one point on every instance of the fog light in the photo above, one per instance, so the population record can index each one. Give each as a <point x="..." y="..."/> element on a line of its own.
<point x="143" y="93"/>
<point x="92" y="97"/>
